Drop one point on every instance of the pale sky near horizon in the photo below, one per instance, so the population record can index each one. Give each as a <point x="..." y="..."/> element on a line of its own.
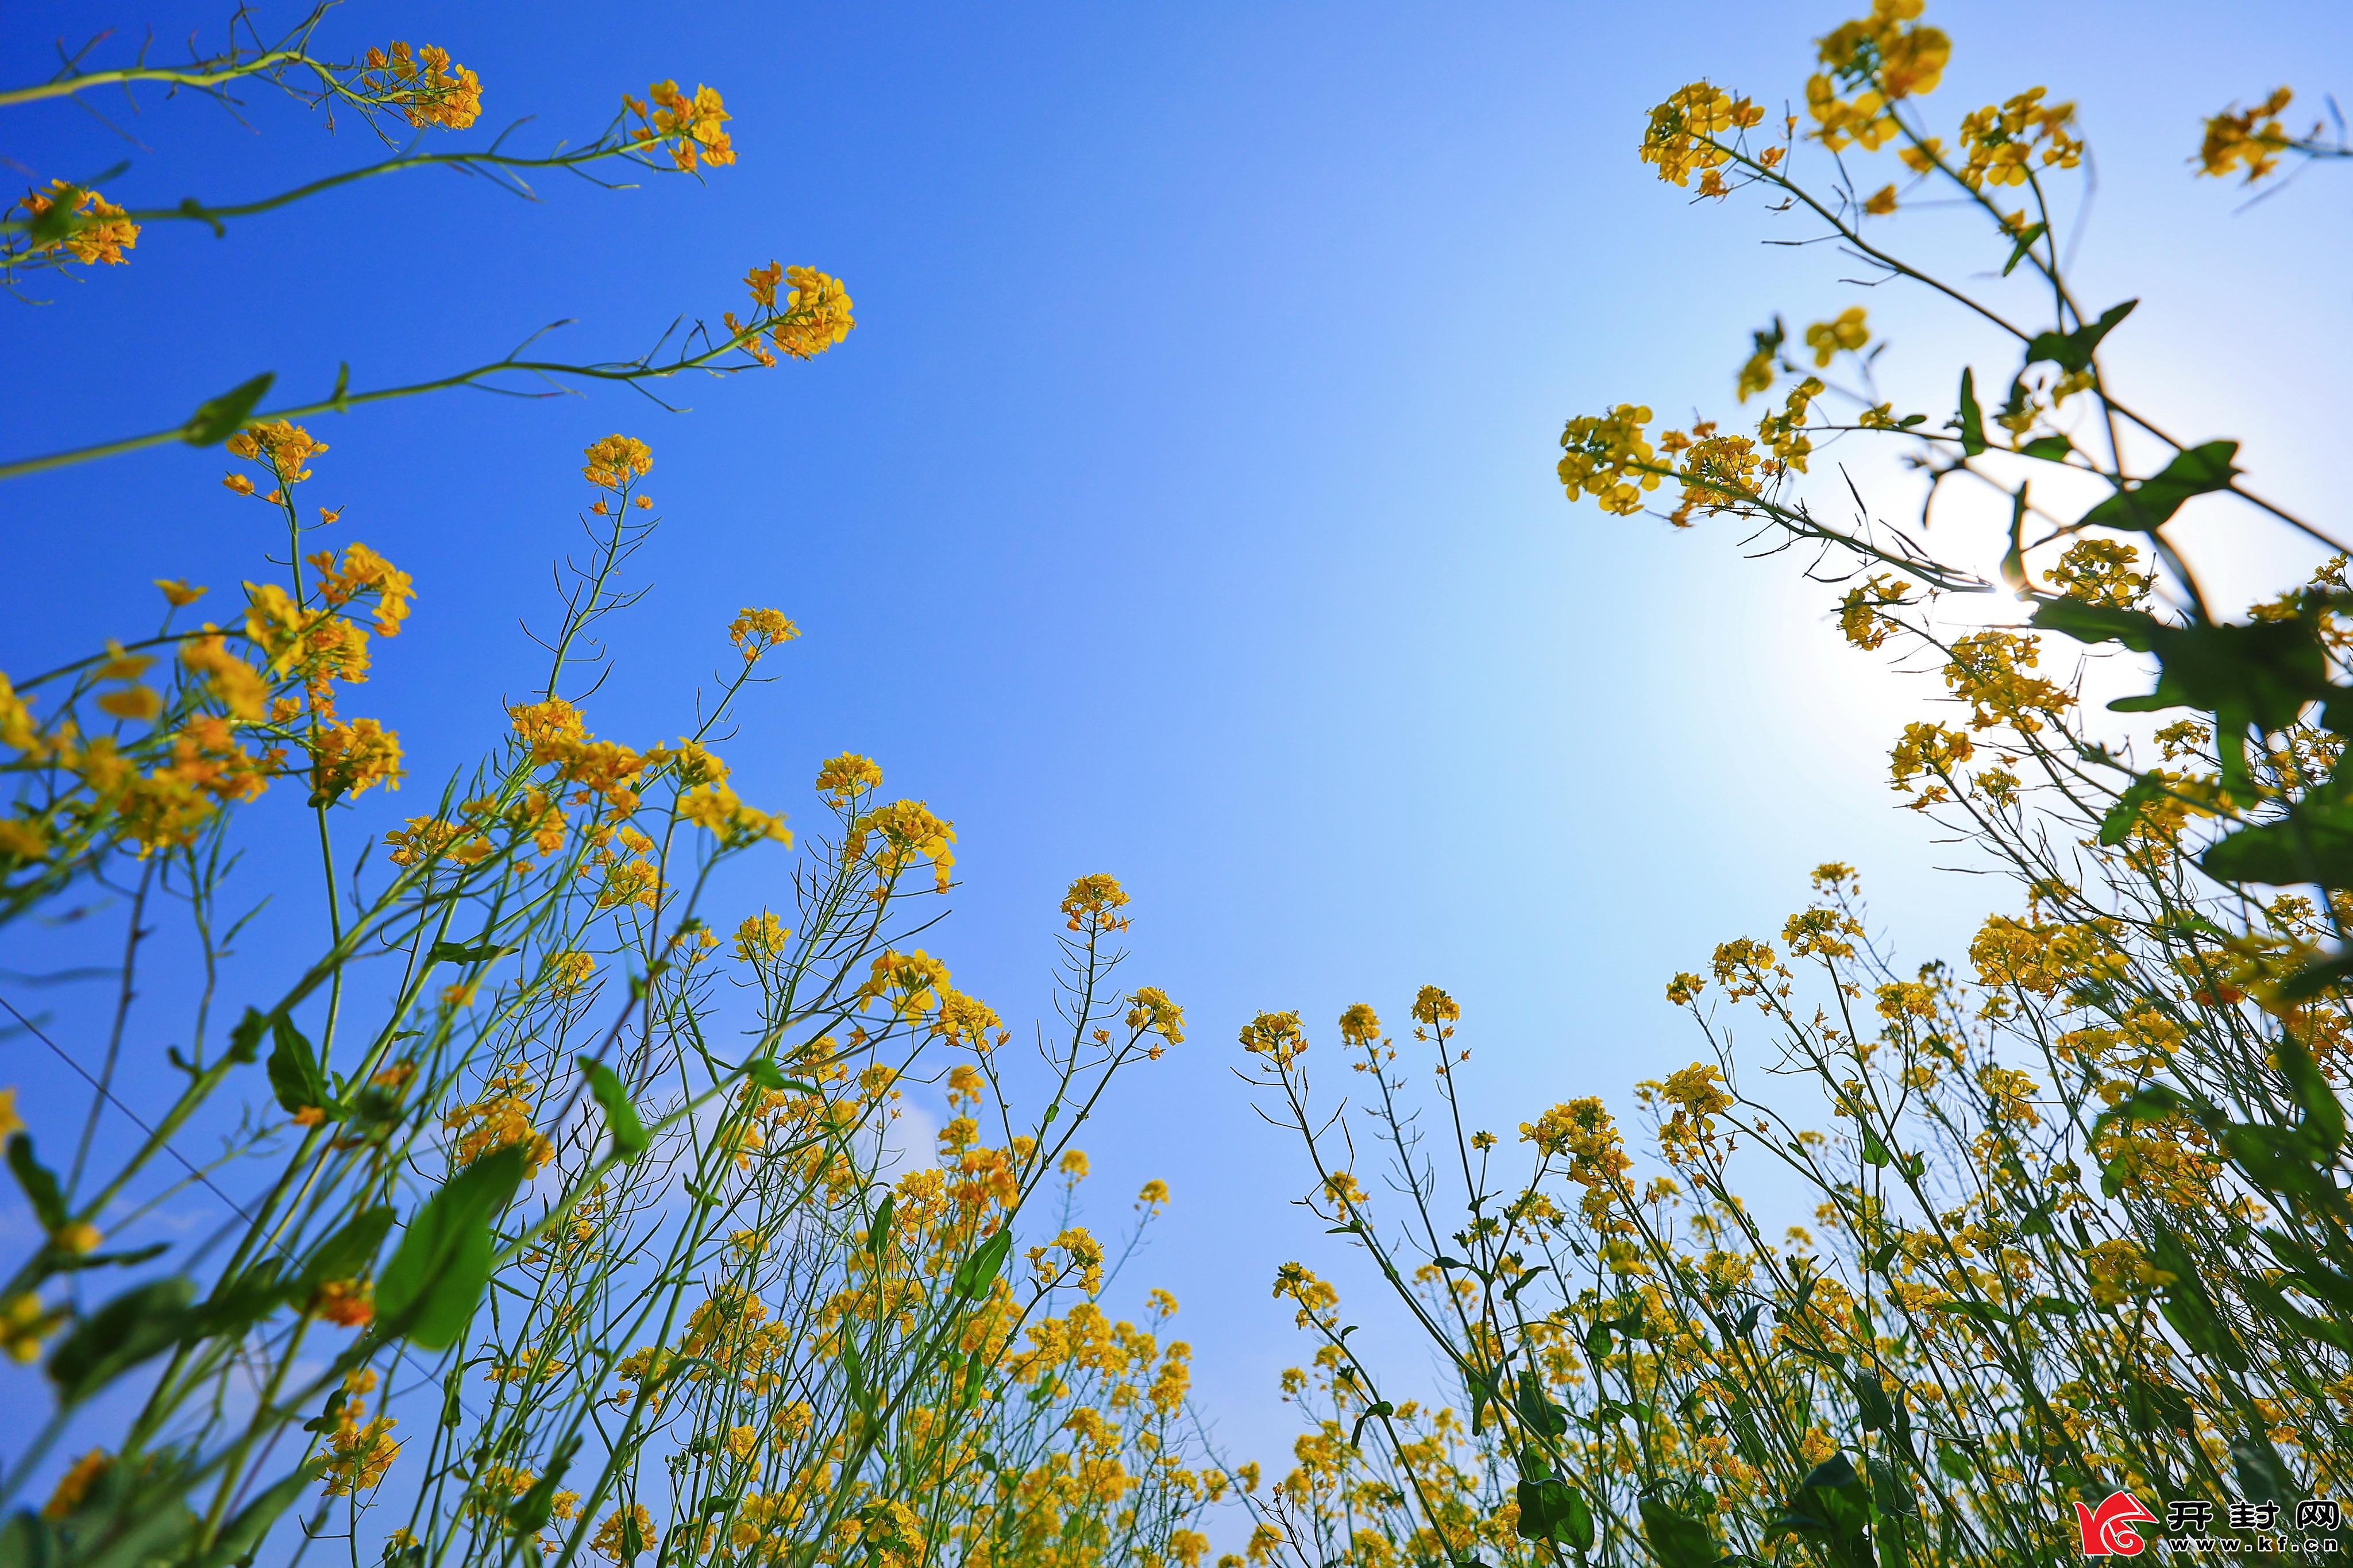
<point x="1182" y="506"/>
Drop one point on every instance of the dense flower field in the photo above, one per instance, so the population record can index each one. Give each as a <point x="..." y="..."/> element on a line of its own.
<point x="536" y="1253"/>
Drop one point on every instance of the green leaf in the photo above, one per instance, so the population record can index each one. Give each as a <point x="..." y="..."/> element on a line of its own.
<point x="331" y="1417"/>
<point x="1378" y="1407"/>
<point x="2308" y="1272"/>
<point x="348" y="1251"/>
<point x="1676" y="1540"/>
<point x="237" y="1303"/>
<point x="978" y="1272"/>
<point x="134" y="1515"/>
<point x="29" y="1541"/>
<point x="2147" y="507"/>
<point x="2262" y="674"/>
<point x="245" y="1040"/>
<point x="2116" y="826"/>
<point x="2025" y="246"/>
<point x="2150" y="1103"/>
<point x="1543" y="1417"/>
<point x="1875" y="1153"/>
<point x="1955" y="1464"/>
<point x="1596" y="1340"/>
<point x="530" y="1512"/>
<point x="1830" y="1506"/>
<point x="878" y="1234"/>
<point x="217" y="418"/>
<point x="2323" y="1114"/>
<point x="2313" y="843"/>
<point x="242" y="1536"/>
<point x="437" y="1276"/>
<point x="1872" y="1403"/>
<point x="2073" y="350"/>
<point x="1553" y="1510"/>
<point x="1977" y="1311"/>
<point x="1972" y="417"/>
<point x="136" y="1255"/>
<point x="2261" y="1477"/>
<point x="2153" y="1404"/>
<point x="295" y="1075"/>
<point x="2317" y="976"/>
<point x="2137" y="629"/>
<point x="2280" y="1160"/>
<point x="853" y="1368"/>
<point x="2054" y="1306"/>
<point x="629" y="1136"/>
<point x="465" y="952"/>
<point x="2049" y="449"/>
<point x="40" y="1183"/>
<point x="143" y="1321"/>
<point x="1511" y="1291"/>
<point x="2188" y="1307"/>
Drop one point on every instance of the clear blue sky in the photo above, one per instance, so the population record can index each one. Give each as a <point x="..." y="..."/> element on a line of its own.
<point x="1182" y="506"/>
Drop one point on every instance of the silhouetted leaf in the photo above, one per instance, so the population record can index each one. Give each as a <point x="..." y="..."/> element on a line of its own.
<point x="243" y="1535"/>
<point x="978" y="1272"/>
<point x="348" y="1251"/>
<point x="437" y="1276"/>
<point x="1676" y="1540"/>
<point x="2073" y="350"/>
<point x="144" y="1321"/>
<point x="465" y="953"/>
<point x="629" y="1136"/>
<point x="1972" y="417"/>
<point x="40" y="1182"/>
<point x="295" y="1076"/>
<point x="2313" y="843"/>
<point x="217" y="418"/>
<point x="2147" y="507"/>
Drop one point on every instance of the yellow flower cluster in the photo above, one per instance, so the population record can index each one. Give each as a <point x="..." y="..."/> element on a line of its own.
<point x="96" y="230"/>
<point x="2250" y="138"/>
<point x="2103" y="572"/>
<point x="1150" y="1010"/>
<point x="909" y="832"/>
<point x="690" y="125"/>
<point x="1092" y="905"/>
<point x="2001" y="143"/>
<point x="348" y="759"/>
<point x="716" y="809"/>
<point x="1888" y="56"/>
<point x="283" y="448"/>
<point x="1987" y="670"/>
<point x="754" y="632"/>
<point x="816" y="313"/>
<point x="1847" y="332"/>
<point x="1930" y="748"/>
<point x="1863" y="610"/>
<point x="1718" y="473"/>
<point x="1610" y="458"/>
<point x="1688" y="134"/>
<point x="616" y="461"/>
<point x="1277" y="1037"/>
<point x="423" y="85"/>
<point x="848" y="778"/>
<point x="502" y="1117"/>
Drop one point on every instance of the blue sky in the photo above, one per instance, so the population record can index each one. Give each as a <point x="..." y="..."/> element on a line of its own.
<point x="1182" y="506"/>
